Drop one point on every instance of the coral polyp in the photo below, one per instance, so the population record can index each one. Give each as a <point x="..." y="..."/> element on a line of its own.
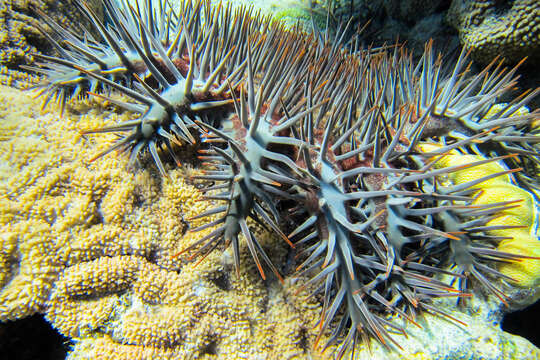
<point x="375" y="170"/>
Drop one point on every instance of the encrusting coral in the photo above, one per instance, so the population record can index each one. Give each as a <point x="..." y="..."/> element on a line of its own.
<point x="490" y="28"/>
<point x="110" y="284"/>
<point x="298" y="134"/>
<point x="20" y="36"/>
<point x="91" y="246"/>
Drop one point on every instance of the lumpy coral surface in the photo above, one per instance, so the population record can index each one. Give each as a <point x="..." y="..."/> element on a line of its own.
<point x="20" y="36"/>
<point x="490" y="28"/>
<point x="92" y="245"/>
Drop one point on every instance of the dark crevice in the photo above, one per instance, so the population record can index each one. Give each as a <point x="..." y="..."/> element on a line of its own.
<point x="221" y="280"/>
<point x="152" y="256"/>
<point x="524" y="323"/>
<point x="210" y="348"/>
<point x="138" y="197"/>
<point x="502" y="7"/>
<point x="303" y="343"/>
<point x="98" y="218"/>
<point x="32" y="338"/>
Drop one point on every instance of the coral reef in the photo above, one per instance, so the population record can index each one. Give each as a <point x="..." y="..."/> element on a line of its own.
<point x="490" y="28"/>
<point x="39" y="217"/>
<point x="110" y="284"/>
<point x="383" y="22"/>
<point x="297" y="135"/>
<point x="20" y="36"/>
<point x="91" y="246"/>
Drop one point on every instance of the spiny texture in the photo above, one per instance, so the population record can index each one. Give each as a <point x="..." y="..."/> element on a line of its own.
<point x="90" y="246"/>
<point x="521" y="237"/>
<point x="322" y="142"/>
<point x="128" y="301"/>
<point x="20" y="35"/>
<point x="490" y="28"/>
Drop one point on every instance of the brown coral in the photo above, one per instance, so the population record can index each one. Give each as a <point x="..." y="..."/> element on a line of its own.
<point x="490" y="28"/>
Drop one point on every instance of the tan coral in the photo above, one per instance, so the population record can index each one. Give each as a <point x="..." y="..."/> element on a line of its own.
<point x="100" y="262"/>
<point x="55" y="210"/>
<point x="29" y="270"/>
<point x="20" y="37"/>
<point x="105" y="348"/>
<point x="18" y="79"/>
<point x="498" y="28"/>
<point x="176" y="315"/>
<point x="92" y="246"/>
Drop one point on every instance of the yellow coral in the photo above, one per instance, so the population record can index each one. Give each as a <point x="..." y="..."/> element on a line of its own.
<point x="490" y="29"/>
<point x="524" y="110"/>
<point x="18" y="79"/>
<point x="45" y="212"/>
<point x="20" y="36"/>
<point x="524" y="239"/>
<point x="92" y="245"/>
